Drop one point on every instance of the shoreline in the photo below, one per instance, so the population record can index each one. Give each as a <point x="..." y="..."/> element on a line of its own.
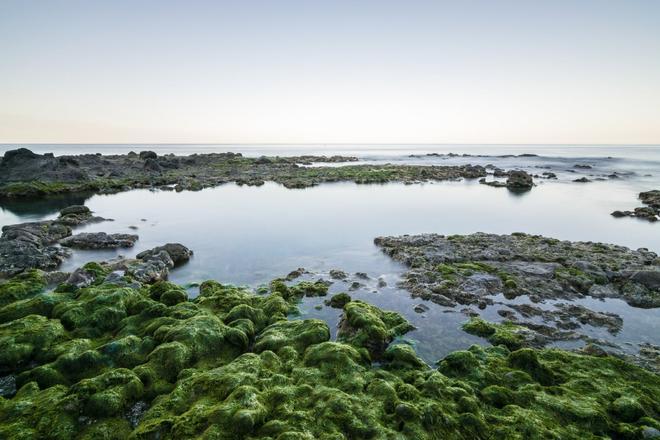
<point x="112" y="354"/>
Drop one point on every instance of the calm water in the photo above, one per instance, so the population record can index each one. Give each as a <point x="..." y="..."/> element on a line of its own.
<point x="249" y="235"/>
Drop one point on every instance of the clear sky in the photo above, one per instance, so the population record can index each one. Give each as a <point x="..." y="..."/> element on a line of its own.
<point x="531" y="71"/>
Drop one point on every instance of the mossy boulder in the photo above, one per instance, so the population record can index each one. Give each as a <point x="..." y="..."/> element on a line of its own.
<point x="368" y="327"/>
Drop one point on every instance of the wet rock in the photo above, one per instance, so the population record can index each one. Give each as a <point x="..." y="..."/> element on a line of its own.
<point x="338" y="274"/>
<point x="366" y="326"/>
<point x="421" y="308"/>
<point x="30" y="246"/>
<point x="519" y="181"/>
<point x="582" y="180"/>
<point x="178" y="253"/>
<point x="468" y="269"/>
<point x="295" y="274"/>
<point x="339" y="300"/>
<point x="651" y="212"/>
<point x="99" y="240"/>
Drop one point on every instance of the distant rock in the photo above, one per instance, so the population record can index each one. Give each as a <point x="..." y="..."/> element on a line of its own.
<point x="144" y="155"/>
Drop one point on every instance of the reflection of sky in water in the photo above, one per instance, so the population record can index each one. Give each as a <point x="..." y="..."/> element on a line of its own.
<point x="249" y="235"/>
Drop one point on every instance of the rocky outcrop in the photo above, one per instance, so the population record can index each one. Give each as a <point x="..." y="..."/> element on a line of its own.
<point x="32" y="245"/>
<point x="25" y="174"/>
<point x="99" y="240"/>
<point x="470" y="269"/>
<point x="650" y="213"/>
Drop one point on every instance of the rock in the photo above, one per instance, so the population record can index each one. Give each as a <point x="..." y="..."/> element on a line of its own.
<point x="421" y="308"/>
<point x="77" y="215"/>
<point x="339" y="300"/>
<point x="651" y="212"/>
<point x="338" y="274"/>
<point x="144" y="155"/>
<point x="648" y="278"/>
<point x="469" y="269"/>
<point x="30" y="246"/>
<point x="295" y="274"/>
<point x="366" y="326"/>
<point x="582" y="180"/>
<point x="99" y="240"/>
<point x="75" y="210"/>
<point x="651" y="198"/>
<point x="519" y="181"/>
<point x="152" y="165"/>
<point x="177" y="252"/>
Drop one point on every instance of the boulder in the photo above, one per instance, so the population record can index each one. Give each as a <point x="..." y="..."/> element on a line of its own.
<point x="519" y="181"/>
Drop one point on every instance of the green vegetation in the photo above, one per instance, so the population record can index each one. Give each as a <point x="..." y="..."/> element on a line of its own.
<point x="451" y="272"/>
<point x="115" y="362"/>
<point x="506" y="334"/>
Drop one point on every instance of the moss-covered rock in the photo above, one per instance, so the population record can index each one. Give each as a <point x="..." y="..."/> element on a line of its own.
<point x="368" y="327"/>
<point x="229" y="365"/>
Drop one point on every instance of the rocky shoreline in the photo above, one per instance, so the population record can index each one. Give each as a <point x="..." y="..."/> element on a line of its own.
<point x="476" y="271"/>
<point x="26" y="174"/>
<point x="119" y="356"/>
<point x="650" y="212"/>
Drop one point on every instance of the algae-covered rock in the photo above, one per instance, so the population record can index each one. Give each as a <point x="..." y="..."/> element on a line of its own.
<point x="296" y="334"/>
<point x="111" y="361"/>
<point x="366" y="326"/>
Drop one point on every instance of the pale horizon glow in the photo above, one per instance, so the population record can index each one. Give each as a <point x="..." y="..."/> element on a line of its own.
<point x="486" y="72"/>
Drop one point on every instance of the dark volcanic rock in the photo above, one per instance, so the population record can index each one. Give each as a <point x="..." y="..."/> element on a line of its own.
<point x="30" y="246"/>
<point x="77" y="215"/>
<point x="152" y="165"/>
<point x="178" y="253"/>
<point x="651" y="212"/>
<point x="519" y="181"/>
<point x="99" y="240"/>
<point x="144" y="155"/>
<point x="23" y="165"/>
<point x="471" y="268"/>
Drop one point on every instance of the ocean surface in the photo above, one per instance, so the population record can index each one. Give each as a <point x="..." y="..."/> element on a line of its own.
<point x="250" y="235"/>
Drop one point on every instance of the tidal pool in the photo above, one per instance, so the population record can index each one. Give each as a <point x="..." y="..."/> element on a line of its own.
<point x="250" y="235"/>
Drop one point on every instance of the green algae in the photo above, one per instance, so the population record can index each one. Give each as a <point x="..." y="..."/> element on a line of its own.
<point x="230" y="365"/>
<point x="506" y="333"/>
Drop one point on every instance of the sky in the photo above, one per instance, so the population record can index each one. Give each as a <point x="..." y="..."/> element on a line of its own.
<point x="545" y="72"/>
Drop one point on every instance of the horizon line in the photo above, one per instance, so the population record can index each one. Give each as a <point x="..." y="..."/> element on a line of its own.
<point x="344" y="144"/>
